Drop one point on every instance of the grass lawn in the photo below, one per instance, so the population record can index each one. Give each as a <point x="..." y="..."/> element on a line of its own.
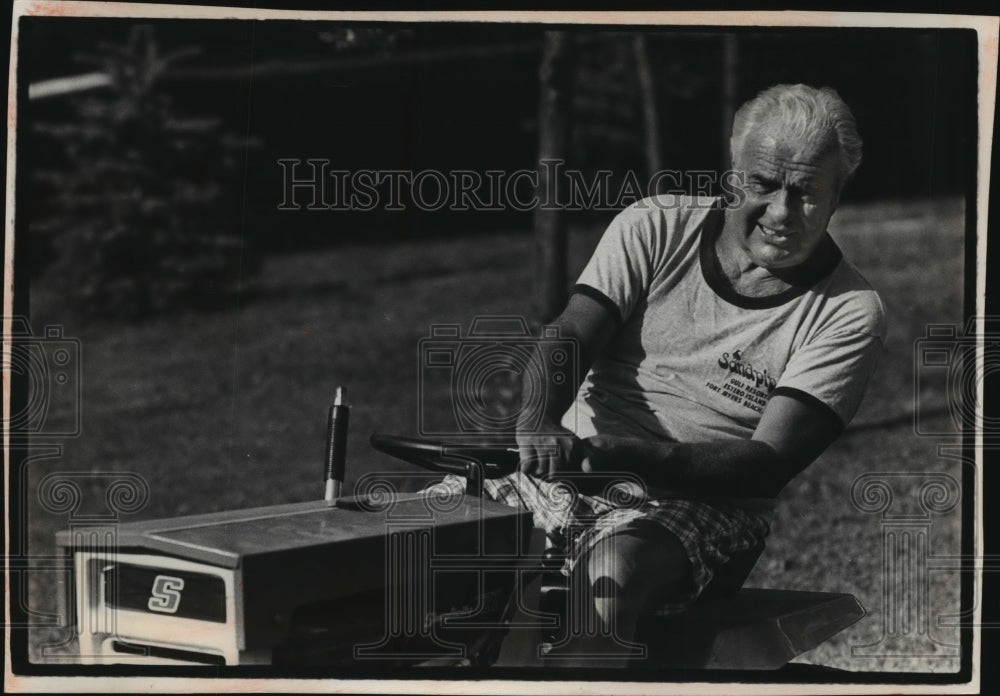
<point x="227" y="409"/>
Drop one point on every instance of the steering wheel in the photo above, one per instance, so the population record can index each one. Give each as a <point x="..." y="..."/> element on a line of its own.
<point x="487" y="459"/>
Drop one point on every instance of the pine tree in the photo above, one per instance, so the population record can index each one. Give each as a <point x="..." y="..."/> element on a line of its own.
<point x="141" y="212"/>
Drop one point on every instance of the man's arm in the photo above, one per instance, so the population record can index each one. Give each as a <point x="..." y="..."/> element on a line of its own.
<point x="792" y="432"/>
<point x="590" y="325"/>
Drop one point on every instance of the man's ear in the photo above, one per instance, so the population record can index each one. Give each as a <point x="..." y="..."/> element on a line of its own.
<point x="836" y="196"/>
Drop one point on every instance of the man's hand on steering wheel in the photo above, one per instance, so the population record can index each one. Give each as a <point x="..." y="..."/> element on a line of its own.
<point x="549" y="451"/>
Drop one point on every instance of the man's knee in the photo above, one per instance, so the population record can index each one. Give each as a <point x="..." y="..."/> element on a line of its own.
<point x="630" y="573"/>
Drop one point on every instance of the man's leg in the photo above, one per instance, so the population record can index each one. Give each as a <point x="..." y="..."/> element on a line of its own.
<point x="622" y="577"/>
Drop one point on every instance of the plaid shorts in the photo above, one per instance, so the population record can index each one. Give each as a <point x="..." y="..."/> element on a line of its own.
<point x="574" y="522"/>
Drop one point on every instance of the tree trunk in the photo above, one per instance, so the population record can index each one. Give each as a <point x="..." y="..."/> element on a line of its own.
<point x="730" y="82"/>
<point x="647" y="95"/>
<point x="554" y="109"/>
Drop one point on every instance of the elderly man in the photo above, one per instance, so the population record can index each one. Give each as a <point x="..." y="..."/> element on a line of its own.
<point x="726" y="344"/>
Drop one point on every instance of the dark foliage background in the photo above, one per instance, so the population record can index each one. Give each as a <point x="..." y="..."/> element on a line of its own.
<point x="163" y="188"/>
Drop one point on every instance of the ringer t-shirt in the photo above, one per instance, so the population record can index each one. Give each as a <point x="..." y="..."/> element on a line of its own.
<point x="692" y="360"/>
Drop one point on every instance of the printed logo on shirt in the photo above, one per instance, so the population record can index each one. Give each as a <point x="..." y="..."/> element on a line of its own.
<point x="736" y="364"/>
<point x="746" y="385"/>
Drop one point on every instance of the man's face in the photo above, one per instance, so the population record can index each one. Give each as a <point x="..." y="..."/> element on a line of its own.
<point x="791" y="187"/>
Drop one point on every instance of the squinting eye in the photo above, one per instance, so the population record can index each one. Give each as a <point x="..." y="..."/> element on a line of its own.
<point x="811" y="192"/>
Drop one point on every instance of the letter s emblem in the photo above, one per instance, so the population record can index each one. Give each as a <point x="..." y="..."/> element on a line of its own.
<point x="166" y="595"/>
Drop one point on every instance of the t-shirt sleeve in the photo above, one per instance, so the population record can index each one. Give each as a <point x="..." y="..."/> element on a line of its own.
<point x="834" y="368"/>
<point x="619" y="273"/>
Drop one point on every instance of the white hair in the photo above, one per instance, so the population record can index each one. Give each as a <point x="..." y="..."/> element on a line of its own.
<point x="801" y="111"/>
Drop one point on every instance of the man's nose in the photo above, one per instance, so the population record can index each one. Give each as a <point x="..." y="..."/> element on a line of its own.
<point x="779" y="209"/>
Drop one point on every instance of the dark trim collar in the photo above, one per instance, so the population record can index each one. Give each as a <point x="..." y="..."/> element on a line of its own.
<point x="806" y="275"/>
